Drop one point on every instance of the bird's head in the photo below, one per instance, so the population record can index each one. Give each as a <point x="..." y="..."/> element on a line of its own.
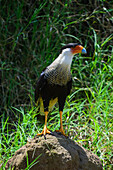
<point x="74" y="48"/>
<point x="65" y="57"/>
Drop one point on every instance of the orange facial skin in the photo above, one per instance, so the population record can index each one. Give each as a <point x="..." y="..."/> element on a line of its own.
<point x="77" y="49"/>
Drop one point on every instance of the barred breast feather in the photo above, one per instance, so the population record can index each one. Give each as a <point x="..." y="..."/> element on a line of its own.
<point x="57" y="75"/>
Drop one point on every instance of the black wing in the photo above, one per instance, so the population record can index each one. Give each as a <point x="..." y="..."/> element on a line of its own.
<point x="40" y="84"/>
<point x="69" y="86"/>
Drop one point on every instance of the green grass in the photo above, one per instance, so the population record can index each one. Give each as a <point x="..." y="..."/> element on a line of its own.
<point x="31" y="34"/>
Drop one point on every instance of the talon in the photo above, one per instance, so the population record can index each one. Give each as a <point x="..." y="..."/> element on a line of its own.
<point x="45" y="129"/>
<point x="45" y="137"/>
<point x="61" y="131"/>
<point x="44" y="132"/>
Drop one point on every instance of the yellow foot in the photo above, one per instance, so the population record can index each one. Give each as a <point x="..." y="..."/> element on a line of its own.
<point x="44" y="132"/>
<point x="61" y="131"/>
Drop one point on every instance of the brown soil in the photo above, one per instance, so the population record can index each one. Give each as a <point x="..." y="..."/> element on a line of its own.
<point x="56" y="153"/>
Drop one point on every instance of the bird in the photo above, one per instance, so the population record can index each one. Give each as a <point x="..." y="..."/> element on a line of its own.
<point x="55" y="83"/>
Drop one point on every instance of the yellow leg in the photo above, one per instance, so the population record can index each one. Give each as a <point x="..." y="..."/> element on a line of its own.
<point x="45" y="130"/>
<point x="61" y="126"/>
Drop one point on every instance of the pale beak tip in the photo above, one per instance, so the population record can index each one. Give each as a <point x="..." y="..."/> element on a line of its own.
<point x="84" y="51"/>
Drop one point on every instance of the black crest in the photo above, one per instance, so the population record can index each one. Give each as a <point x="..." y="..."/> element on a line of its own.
<point x="70" y="45"/>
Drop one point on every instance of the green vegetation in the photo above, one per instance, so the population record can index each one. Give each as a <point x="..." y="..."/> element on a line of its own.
<point x="31" y="34"/>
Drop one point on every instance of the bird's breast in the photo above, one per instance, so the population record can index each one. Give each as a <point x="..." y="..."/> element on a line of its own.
<point x="59" y="75"/>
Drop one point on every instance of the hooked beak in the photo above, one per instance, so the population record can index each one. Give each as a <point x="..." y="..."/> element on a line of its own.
<point x="84" y="51"/>
<point x="78" y="49"/>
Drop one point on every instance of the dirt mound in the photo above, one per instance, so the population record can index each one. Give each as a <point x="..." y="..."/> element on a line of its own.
<point x="55" y="153"/>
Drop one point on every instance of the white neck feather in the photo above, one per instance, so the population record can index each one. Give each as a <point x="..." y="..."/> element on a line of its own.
<point x="64" y="59"/>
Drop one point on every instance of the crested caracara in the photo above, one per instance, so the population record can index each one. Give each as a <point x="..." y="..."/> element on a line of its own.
<point x="55" y="83"/>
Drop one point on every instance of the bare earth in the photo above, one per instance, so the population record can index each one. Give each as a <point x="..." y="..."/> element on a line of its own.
<point x="56" y="153"/>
